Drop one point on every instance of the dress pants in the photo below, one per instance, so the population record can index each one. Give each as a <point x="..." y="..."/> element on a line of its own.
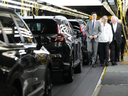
<point x="122" y="49"/>
<point x="92" y="47"/>
<point x="103" y="52"/>
<point x="115" y="47"/>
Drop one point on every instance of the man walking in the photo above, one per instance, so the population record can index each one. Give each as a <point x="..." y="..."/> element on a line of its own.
<point x="115" y="45"/>
<point x="104" y="40"/>
<point x="123" y="42"/>
<point x="93" y="31"/>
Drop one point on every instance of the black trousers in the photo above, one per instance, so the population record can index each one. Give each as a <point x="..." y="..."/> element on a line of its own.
<point x="115" y="48"/>
<point x="103" y="52"/>
<point x="122" y="49"/>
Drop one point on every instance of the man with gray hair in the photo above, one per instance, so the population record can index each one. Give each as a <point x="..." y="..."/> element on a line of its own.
<point x="104" y="40"/>
<point x="115" y="45"/>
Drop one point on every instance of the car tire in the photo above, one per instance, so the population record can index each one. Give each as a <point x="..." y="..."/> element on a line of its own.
<point x="78" y="68"/>
<point x="85" y="58"/>
<point x="68" y="75"/>
<point x="13" y="92"/>
<point x="48" y="84"/>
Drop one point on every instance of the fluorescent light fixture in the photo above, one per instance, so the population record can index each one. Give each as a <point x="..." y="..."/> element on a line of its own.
<point x="107" y="7"/>
<point x="12" y="6"/>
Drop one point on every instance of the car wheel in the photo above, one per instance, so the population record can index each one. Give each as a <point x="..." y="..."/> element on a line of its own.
<point x="85" y="58"/>
<point x="68" y="76"/>
<point x="13" y="92"/>
<point x="48" y="84"/>
<point x="78" y="68"/>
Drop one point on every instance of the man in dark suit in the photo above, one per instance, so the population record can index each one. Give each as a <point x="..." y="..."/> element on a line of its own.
<point x="123" y="42"/>
<point x="93" y="31"/>
<point x="115" y="45"/>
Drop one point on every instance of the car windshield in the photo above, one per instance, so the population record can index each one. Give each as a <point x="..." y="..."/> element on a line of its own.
<point x="77" y="25"/>
<point x="13" y="29"/>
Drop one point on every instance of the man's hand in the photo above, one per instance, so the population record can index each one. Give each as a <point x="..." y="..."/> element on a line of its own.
<point x="91" y="37"/>
<point x="109" y="42"/>
<point x="95" y="36"/>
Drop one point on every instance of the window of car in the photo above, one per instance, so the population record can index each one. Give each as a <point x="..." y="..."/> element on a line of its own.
<point x="10" y="28"/>
<point x="69" y="27"/>
<point x="45" y="26"/>
<point x="77" y="25"/>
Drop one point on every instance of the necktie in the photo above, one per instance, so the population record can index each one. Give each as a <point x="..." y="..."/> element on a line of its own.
<point x="93" y="25"/>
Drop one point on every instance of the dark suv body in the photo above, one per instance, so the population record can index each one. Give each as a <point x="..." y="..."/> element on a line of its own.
<point x="79" y="24"/>
<point x="57" y="35"/>
<point x="24" y="69"/>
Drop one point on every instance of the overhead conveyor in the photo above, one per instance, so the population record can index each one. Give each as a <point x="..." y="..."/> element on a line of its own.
<point x="28" y="5"/>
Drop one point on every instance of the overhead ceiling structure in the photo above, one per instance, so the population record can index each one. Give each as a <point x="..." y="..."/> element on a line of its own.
<point x="76" y="8"/>
<point x="85" y="6"/>
<point x="41" y="5"/>
<point x="116" y="7"/>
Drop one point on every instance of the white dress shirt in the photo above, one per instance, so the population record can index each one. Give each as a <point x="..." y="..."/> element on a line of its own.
<point x="114" y="27"/>
<point x="106" y="34"/>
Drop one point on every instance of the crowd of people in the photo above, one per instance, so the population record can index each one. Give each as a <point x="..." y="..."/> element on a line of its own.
<point x="107" y="40"/>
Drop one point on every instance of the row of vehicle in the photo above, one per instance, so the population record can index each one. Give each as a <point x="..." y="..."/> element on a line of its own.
<point x="30" y="53"/>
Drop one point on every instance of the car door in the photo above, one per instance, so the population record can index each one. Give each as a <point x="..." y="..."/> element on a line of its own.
<point x="18" y="56"/>
<point x="75" y="43"/>
<point x="39" y="72"/>
<point x="28" y="59"/>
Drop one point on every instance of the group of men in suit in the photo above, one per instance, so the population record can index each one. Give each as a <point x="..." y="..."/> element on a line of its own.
<point x="103" y="34"/>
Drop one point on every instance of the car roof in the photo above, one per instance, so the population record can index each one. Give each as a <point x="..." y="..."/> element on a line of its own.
<point x="57" y="19"/>
<point x="75" y="20"/>
<point x="45" y="17"/>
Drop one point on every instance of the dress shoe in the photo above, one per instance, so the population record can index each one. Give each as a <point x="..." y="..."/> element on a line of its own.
<point x="117" y="60"/>
<point x="115" y="63"/>
<point x="90" y="63"/>
<point x="106" y="63"/>
<point x="93" y="65"/>
<point x="102" y="64"/>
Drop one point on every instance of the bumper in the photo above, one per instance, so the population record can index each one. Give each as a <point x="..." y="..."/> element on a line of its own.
<point x="58" y="63"/>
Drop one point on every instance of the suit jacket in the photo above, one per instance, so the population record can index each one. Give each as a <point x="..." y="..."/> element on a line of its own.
<point x="93" y="31"/>
<point x="118" y="33"/>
